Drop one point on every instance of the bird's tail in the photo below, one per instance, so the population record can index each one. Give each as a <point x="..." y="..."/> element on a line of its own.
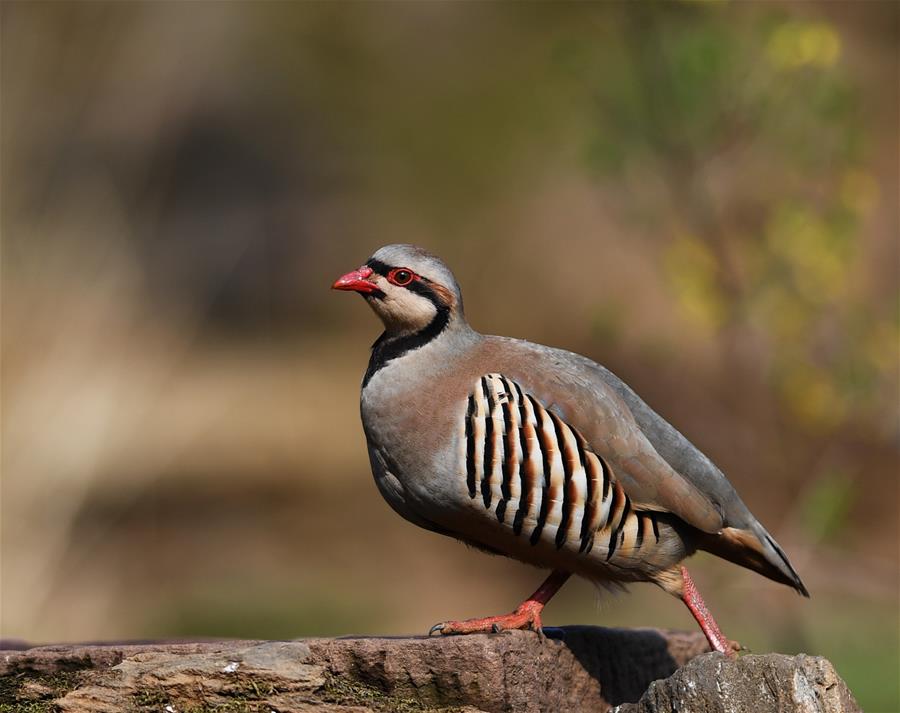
<point x="755" y="549"/>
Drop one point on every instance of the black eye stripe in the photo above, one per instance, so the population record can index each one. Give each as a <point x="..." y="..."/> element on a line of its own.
<point x="419" y="287"/>
<point x="378" y="267"/>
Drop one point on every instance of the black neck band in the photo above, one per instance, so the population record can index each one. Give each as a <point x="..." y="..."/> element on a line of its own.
<point x="387" y="348"/>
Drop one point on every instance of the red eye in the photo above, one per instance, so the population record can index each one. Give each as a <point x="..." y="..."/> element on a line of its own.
<point x="401" y="276"/>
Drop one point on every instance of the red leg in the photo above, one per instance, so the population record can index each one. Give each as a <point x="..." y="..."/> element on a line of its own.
<point x="526" y="616"/>
<point x="691" y="596"/>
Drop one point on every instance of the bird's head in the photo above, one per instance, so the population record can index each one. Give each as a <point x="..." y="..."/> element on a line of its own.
<point x="407" y="287"/>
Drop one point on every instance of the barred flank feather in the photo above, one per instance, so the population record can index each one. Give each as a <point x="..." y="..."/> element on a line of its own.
<point x="539" y="476"/>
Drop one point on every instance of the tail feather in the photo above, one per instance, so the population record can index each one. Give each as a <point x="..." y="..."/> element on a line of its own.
<point x="754" y="549"/>
<point x="785" y="567"/>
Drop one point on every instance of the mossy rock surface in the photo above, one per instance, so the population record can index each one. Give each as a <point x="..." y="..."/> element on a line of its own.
<point x="572" y="669"/>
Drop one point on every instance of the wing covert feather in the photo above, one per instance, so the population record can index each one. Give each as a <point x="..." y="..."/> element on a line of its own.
<point x="595" y="410"/>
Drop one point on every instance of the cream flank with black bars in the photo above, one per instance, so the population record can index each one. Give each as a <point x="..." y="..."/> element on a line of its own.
<point x="528" y="466"/>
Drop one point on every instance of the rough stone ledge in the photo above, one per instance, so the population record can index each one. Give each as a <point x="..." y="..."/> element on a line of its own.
<point x="574" y="669"/>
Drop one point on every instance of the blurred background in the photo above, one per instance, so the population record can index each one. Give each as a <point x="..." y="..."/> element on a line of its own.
<point x="700" y="195"/>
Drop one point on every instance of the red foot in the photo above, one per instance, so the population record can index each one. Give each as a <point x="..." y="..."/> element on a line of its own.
<point x="527" y="616"/>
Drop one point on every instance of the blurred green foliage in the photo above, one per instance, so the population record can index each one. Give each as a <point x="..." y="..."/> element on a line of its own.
<point x="699" y="87"/>
<point x="827" y="505"/>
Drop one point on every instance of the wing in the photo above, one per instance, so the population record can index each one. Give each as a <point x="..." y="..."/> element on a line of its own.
<point x="682" y="455"/>
<point x="539" y="476"/>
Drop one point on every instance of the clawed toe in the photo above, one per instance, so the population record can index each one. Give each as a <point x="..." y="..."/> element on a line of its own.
<point x="525" y="617"/>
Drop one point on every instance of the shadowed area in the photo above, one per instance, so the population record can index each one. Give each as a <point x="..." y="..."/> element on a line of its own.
<point x="626" y="661"/>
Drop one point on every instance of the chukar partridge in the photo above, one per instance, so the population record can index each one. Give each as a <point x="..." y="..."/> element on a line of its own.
<point x="536" y="453"/>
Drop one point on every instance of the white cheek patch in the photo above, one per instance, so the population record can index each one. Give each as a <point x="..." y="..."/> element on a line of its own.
<point x="401" y="309"/>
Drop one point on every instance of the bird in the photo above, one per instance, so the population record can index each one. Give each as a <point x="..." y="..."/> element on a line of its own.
<point x="537" y="453"/>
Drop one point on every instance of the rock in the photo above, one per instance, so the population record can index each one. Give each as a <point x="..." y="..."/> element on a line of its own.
<point x="714" y="684"/>
<point x="573" y="669"/>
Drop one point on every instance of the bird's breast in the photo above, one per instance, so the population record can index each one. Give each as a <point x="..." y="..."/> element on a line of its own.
<point x="413" y="429"/>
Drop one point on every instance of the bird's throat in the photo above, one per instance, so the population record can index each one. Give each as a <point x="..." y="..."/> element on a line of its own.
<point x="389" y="346"/>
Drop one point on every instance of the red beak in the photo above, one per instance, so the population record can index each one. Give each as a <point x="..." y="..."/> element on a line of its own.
<point x="356" y="281"/>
